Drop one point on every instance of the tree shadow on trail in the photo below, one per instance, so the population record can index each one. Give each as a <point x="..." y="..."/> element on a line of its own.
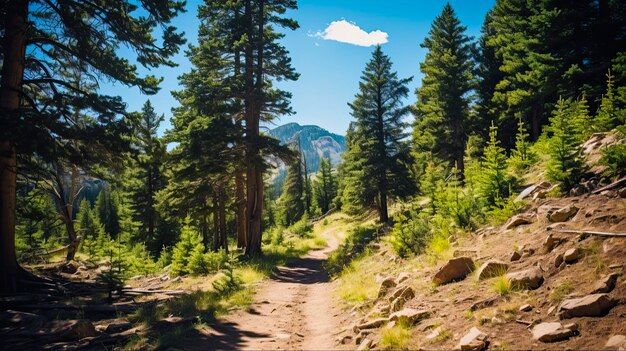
<point x="302" y="271"/>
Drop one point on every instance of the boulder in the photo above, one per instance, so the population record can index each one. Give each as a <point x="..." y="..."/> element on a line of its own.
<point x="492" y="268"/>
<point x="549" y="243"/>
<point x="525" y="193"/>
<point x="518" y="220"/>
<point x="571" y="255"/>
<point x="563" y="214"/>
<point x="118" y="327"/>
<point x="606" y="284"/>
<point x="551" y="332"/>
<point x="594" y="305"/>
<point x="475" y="340"/>
<point x="409" y="316"/>
<point x="515" y="256"/>
<point x="616" y="342"/>
<point x="385" y="285"/>
<point x="455" y="269"/>
<point x="402" y="277"/>
<point x="529" y="279"/>
<point x="362" y="335"/>
<point x="74" y="329"/>
<point x="404" y="292"/>
<point x="558" y="260"/>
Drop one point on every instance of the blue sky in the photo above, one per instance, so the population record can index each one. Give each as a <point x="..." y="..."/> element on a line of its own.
<point x="329" y="69"/>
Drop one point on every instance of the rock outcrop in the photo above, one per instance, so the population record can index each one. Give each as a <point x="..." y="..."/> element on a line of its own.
<point x="456" y="269"/>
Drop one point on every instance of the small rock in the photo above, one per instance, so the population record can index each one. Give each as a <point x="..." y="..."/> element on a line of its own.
<point x="365" y="345"/>
<point x="372" y="324"/>
<point x="515" y="256"/>
<point x="496" y="320"/>
<point x="346" y="339"/>
<point x="606" y="284"/>
<point x="475" y="340"/>
<point x="621" y="193"/>
<point x="69" y="267"/>
<point x="563" y="214"/>
<point x="541" y="194"/>
<point x="530" y="279"/>
<point x="435" y="333"/>
<point x="549" y="243"/>
<point x="455" y="269"/>
<point x="571" y="255"/>
<point x="492" y="268"/>
<point x="518" y="220"/>
<point x="74" y="329"/>
<point x="114" y="328"/>
<point x="403" y="293"/>
<point x="558" y="260"/>
<point x="526" y="308"/>
<point x="385" y="285"/>
<point x="616" y="342"/>
<point x="402" y="277"/>
<point x="571" y="326"/>
<point x="616" y="266"/>
<point x="525" y="193"/>
<point x="551" y="332"/>
<point x="409" y="316"/>
<point x="391" y="324"/>
<point x="595" y="305"/>
<point x="362" y="335"/>
<point x="551" y="310"/>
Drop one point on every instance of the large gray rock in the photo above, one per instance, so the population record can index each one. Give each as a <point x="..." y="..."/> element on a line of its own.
<point x="552" y="332"/>
<point x="606" y="284"/>
<point x="409" y="316"/>
<point x="455" y="269"/>
<point x="376" y="323"/>
<point x="475" y="340"/>
<point x="563" y="214"/>
<point x="518" y="220"/>
<point x="595" y="305"/>
<point x="571" y="255"/>
<point x="529" y="279"/>
<point x="492" y="268"/>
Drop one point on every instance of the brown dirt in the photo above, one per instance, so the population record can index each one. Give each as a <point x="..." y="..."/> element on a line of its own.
<point x="295" y="309"/>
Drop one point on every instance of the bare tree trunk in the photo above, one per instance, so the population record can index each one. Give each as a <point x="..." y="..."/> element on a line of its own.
<point x="14" y="45"/>
<point x="240" y="200"/>
<point x="216" y="227"/>
<point x="68" y="210"/>
<point x="222" y="215"/>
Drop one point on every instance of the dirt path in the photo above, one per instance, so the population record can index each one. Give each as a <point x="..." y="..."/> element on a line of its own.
<point x="294" y="309"/>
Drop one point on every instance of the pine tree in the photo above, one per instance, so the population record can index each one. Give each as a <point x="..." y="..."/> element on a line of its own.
<point x="442" y="108"/>
<point x="145" y="175"/>
<point x="379" y="124"/>
<point x="325" y="187"/>
<point x="494" y="181"/>
<point x="522" y="156"/>
<point x="606" y="117"/>
<point x="39" y="102"/>
<point x="292" y="199"/>
<point x="582" y="121"/>
<point x="566" y="165"/>
<point x="431" y="183"/>
<point x="107" y="209"/>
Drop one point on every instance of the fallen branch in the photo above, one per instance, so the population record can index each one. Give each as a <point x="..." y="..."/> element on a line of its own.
<point x="589" y="232"/>
<point x="86" y="308"/>
<point x="147" y="291"/>
<point x="520" y="321"/>
<point x="610" y="186"/>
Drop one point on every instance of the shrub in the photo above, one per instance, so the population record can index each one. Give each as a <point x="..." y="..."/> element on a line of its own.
<point x="410" y="233"/>
<point x="502" y="285"/>
<point x="188" y="243"/>
<point x="395" y="338"/>
<point x="354" y="244"/>
<point x="302" y="228"/>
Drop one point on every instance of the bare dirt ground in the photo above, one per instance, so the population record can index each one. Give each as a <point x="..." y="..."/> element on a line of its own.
<point x="295" y="309"/>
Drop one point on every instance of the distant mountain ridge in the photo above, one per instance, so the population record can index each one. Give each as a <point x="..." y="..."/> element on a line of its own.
<point x="315" y="143"/>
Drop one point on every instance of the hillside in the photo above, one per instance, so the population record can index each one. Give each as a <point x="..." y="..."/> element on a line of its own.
<point x="315" y="142"/>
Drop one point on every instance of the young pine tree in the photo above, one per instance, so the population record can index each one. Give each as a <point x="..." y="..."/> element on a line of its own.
<point x="566" y="165"/>
<point x="494" y="181"/>
<point x="107" y="209"/>
<point x="606" y="116"/>
<point x="379" y="113"/>
<point x="293" y="201"/>
<point x="522" y="156"/>
<point x="325" y="186"/>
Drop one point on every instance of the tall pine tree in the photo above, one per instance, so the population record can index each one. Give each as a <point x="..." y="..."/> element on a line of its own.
<point x="378" y="113"/>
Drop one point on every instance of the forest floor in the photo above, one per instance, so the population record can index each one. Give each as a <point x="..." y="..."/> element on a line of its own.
<point x="294" y="309"/>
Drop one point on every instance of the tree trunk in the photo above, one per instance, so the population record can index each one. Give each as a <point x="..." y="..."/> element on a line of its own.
<point x="240" y="200"/>
<point x="382" y="211"/>
<point x="254" y="176"/>
<point x="216" y="226"/>
<point x="222" y="215"/>
<point x="14" y="45"/>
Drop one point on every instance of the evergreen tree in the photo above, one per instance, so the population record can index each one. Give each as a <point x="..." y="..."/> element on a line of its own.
<point x="378" y="114"/>
<point x="107" y="209"/>
<point x="146" y="176"/>
<point x="325" y="187"/>
<point x="606" y="117"/>
<point x="431" y="183"/>
<point x="522" y="156"/>
<point x="494" y="181"/>
<point x="566" y="165"/>
<point x="581" y="120"/>
<point x="292" y="199"/>
<point x="442" y="108"/>
<point x="37" y="100"/>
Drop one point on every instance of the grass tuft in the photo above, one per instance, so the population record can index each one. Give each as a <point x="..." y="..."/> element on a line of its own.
<point x="395" y="338"/>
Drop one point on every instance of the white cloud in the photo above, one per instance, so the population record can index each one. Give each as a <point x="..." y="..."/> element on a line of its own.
<point x="346" y="32"/>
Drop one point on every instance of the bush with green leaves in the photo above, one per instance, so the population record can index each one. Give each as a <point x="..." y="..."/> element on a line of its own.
<point x="458" y="203"/>
<point x="354" y="244"/>
<point x="229" y="282"/>
<point x="190" y="242"/>
<point x="411" y="231"/>
<point x="302" y="227"/>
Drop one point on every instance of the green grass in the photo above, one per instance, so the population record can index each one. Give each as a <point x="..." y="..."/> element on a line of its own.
<point x="357" y="283"/>
<point x="502" y="285"/>
<point x="395" y="338"/>
<point x="444" y="334"/>
<point x="558" y="293"/>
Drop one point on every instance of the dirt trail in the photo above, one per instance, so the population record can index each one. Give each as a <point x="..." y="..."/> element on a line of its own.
<point x="292" y="310"/>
